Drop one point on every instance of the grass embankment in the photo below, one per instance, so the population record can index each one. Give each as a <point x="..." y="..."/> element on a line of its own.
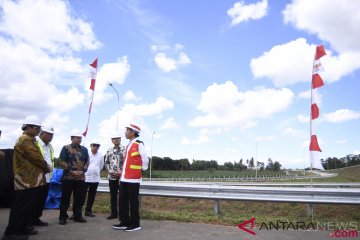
<point x="349" y="174"/>
<point x="234" y="212"/>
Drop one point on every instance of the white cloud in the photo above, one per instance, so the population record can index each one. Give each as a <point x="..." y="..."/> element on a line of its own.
<point x="157" y="107"/>
<point x="184" y="59"/>
<point x="169" y="124"/>
<point x="356" y="152"/>
<point x="130" y="96"/>
<point x="292" y="132"/>
<point x="335" y="22"/>
<point x="303" y="119"/>
<point x="305" y="94"/>
<point x="63" y="102"/>
<point x="240" y="109"/>
<point x="200" y="140"/>
<point x="134" y="113"/>
<point x="242" y="12"/>
<point x="46" y="24"/>
<point x="114" y="73"/>
<point x="342" y="141"/>
<point x="166" y="63"/>
<point x="281" y="63"/>
<point x="40" y="75"/>
<point x="341" y="115"/>
<point x="291" y="63"/>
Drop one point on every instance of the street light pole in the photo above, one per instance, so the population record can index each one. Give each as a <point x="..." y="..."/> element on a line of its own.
<point x="256" y="159"/>
<point x="304" y="161"/>
<point x="152" y="140"/>
<point x="118" y="104"/>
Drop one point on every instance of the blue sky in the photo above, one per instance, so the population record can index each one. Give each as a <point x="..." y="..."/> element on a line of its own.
<point x="220" y="80"/>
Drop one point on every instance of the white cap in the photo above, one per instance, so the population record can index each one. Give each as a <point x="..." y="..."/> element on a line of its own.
<point x="47" y="129"/>
<point x="134" y="127"/>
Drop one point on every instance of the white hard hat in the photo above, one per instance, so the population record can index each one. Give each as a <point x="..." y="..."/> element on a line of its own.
<point x="134" y="127"/>
<point x="47" y="129"/>
<point x="76" y="134"/>
<point x="94" y="141"/>
<point x="32" y="120"/>
<point x="116" y="135"/>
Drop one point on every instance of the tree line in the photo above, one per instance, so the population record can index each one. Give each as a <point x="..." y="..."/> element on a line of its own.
<point x="334" y="163"/>
<point x="184" y="164"/>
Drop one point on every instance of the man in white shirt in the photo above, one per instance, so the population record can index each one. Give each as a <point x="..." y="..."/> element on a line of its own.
<point x="92" y="176"/>
<point x="44" y="143"/>
<point x="135" y="161"/>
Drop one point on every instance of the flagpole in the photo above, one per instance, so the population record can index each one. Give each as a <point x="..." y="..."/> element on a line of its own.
<point x="311" y="128"/>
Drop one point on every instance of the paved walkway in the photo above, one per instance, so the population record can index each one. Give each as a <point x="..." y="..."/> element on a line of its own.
<point x="99" y="228"/>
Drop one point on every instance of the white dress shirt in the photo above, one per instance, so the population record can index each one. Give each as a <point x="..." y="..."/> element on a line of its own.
<point x="95" y="166"/>
<point x="47" y="157"/>
<point x="144" y="159"/>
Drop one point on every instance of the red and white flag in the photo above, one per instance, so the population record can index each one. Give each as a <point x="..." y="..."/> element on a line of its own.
<point x="316" y="83"/>
<point x="93" y="73"/>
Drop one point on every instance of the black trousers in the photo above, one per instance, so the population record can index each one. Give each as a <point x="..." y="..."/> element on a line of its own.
<point x="77" y="188"/>
<point x="114" y="189"/>
<point x="40" y="200"/>
<point x="91" y="188"/>
<point x="129" y="200"/>
<point x="21" y="211"/>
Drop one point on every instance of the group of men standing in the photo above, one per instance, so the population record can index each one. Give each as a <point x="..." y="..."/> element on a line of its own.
<point x="33" y="163"/>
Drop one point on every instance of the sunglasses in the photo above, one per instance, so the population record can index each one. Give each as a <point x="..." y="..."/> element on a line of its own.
<point x="96" y="145"/>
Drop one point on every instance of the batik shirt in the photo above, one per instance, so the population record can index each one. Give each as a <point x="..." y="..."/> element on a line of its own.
<point x="29" y="165"/>
<point x="74" y="158"/>
<point x="113" y="161"/>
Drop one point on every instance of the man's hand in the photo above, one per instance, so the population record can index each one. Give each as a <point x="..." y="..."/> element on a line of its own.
<point x="77" y="173"/>
<point x="115" y="174"/>
<point x="50" y="169"/>
<point x="2" y="155"/>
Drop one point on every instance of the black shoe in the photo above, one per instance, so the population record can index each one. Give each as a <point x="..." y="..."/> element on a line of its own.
<point x="30" y="231"/>
<point x="112" y="216"/>
<point x="132" y="228"/>
<point x="62" y="221"/>
<point x="15" y="236"/>
<point x="89" y="214"/>
<point x="120" y="226"/>
<point x="40" y="223"/>
<point x="80" y="220"/>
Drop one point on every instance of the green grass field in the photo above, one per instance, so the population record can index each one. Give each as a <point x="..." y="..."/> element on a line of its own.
<point x="211" y="174"/>
<point x="234" y="212"/>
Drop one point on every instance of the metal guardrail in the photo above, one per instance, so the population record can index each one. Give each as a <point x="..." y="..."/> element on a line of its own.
<point x="284" y="184"/>
<point x="219" y="192"/>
